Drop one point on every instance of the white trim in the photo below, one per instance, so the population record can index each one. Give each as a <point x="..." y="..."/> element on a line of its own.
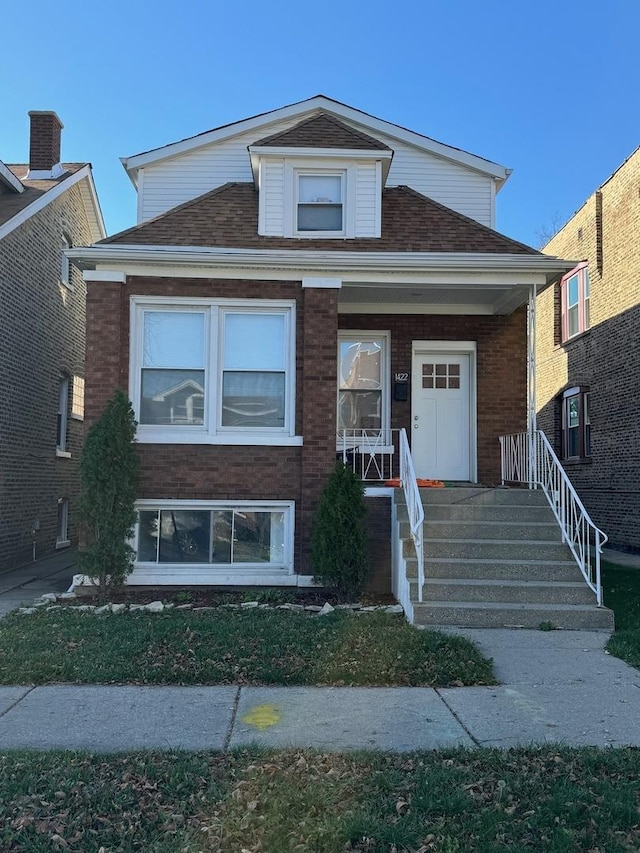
<point x="261" y="153"/>
<point x="46" y="198"/>
<point x="212" y="432"/>
<point x="140" y="197"/>
<point x="413" y="308"/>
<point x="217" y="572"/>
<point x="64" y="544"/>
<point x="63" y="454"/>
<point x="369" y="124"/>
<point x="321" y="281"/>
<point x="105" y="275"/>
<point x="378" y="492"/>
<point x="10" y="179"/>
<point x="420" y="348"/>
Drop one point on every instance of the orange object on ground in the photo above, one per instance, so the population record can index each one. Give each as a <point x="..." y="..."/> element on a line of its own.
<point x="396" y="483"/>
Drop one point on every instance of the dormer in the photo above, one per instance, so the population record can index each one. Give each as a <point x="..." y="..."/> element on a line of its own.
<point x="320" y="179"/>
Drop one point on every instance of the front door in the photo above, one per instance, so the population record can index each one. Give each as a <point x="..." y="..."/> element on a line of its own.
<point x="441" y="425"/>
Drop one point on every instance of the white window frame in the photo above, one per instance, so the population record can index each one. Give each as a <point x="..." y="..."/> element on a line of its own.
<point x="62" y="422"/>
<point x="320" y="173"/>
<point x="218" y="573"/>
<point x="385" y="370"/>
<point x="212" y="431"/>
<point x="62" y="529"/>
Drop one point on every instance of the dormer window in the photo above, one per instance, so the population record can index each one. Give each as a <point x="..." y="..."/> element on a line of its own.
<point x="320" y="204"/>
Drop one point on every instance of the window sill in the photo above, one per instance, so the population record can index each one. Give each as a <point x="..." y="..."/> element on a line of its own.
<point x="76" y="417"/>
<point x="583" y="460"/>
<point x="65" y="544"/>
<point x="240" y="439"/>
<point x="66" y="284"/>
<point x="576" y="337"/>
<point x="62" y="454"/>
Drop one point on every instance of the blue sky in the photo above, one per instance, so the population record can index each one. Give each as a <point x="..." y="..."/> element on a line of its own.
<point x="538" y="87"/>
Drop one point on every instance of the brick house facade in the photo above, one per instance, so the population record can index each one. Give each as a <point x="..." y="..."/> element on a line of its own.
<point x="44" y="207"/>
<point x="296" y="280"/>
<point x="597" y="359"/>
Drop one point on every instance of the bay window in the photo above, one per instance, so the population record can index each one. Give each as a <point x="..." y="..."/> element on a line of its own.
<point x="205" y="371"/>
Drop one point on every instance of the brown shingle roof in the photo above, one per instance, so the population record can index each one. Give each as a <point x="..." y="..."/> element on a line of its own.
<point x="228" y="217"/>
<point x="323" y="131"/>
<point x="12" y="203"/>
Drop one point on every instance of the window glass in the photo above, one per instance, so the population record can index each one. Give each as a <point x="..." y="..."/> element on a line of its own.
<point x="254" y="341"/>
<point x="62" y="534"/>
<point x="575" y="302"/>
<point x="173" y="339"/>
<point x="360" y="384"/>
<point x="63" y="406"/>
<point x="320" y="203"/>
<point x="251" y="399"/>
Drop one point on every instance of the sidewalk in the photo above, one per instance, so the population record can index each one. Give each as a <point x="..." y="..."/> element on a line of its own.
<point x="557" y="686"/>
<point x="50" y="574"/>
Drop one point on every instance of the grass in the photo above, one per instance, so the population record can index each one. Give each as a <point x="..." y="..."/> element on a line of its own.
<point x="548" y="799"/>
<point x="621" y="589"/>
<point x="233" y="647"/>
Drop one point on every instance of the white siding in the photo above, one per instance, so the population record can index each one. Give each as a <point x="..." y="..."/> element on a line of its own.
<point x="272" y="199"/>
<point x="366" y="189"/>
<point x="186" y="176"/>
<point x="455" y="186"/>
<point x="179" y="179"/>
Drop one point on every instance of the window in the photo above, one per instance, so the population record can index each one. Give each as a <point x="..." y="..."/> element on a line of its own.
<point x="320" y="202"/>
<point x="575" y="290"/>
<point x="215" y="534"/>
<point x="62" y="534"/>
<point x="77" y="398"/>
<point x="63" y="408"/>
<point x="65" y="268"/>
<point x="576" y="424"/>
<point x="214" y="372"/>
<point x="362" y="381"/>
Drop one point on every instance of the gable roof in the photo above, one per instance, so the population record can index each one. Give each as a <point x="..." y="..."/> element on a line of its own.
<point x="323" y="131"/>
<point x="16" y="207"/>
<point x="308" y="108"/>
<point x="228" y="217"/>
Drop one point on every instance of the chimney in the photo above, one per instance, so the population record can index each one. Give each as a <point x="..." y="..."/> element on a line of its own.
<point x="44" y="147"/>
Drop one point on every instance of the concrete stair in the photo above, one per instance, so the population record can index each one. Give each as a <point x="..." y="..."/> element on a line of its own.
<point x="495" y="558"/>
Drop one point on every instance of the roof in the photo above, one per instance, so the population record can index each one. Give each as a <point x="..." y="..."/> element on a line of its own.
<point x="12" y="203"/>
<point x="323" y="131"/>
<point x="228" y="217"/>
<point x="306" y="109"/>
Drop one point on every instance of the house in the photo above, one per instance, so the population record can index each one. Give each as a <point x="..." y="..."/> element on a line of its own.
<point x="303" y="284"/>
<point x="45" y="207"/>
<point x="588" y="354"/>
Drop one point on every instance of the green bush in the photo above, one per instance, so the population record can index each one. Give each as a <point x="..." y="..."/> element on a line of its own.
<point x="339" y="541"/>
<point x="109" y="472"/>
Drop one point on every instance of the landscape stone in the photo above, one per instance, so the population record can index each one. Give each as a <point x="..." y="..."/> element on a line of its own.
<point x="326" y="608"/>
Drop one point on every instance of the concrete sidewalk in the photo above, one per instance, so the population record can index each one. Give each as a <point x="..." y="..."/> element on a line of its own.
<point x="50" y="574"/>
<point x="557" y="687"/>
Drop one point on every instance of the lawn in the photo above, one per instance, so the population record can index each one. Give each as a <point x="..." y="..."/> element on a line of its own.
<point x="621" y="587"/>
<point x="223" y="646"/>
<point x="546" y="800"/>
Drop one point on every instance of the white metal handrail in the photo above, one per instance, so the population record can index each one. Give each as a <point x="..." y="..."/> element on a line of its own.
<point x="413" y="500"/>
<point x="531" y="460"/>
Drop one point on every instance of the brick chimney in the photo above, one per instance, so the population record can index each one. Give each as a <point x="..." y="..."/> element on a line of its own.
<point x="44" y="146"/>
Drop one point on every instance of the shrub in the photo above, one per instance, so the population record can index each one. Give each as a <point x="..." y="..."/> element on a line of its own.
<point x="109" y="472"/>
<point x="339" y="542"/>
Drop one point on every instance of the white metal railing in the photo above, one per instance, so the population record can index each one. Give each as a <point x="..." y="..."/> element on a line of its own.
<point x="415" y="509"/>
<point x="529" y="458"/>
<point x="370" y="453"/>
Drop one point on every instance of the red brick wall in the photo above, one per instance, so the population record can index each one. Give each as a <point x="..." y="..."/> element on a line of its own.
<point x="218" y="472"/>
<point x="501" y="370"/>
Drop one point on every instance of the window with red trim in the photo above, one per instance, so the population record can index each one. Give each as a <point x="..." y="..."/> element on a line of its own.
<point x="575" y="290"/>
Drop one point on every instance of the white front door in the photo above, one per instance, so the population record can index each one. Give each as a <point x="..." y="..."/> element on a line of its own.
<point x="441" y="416"/>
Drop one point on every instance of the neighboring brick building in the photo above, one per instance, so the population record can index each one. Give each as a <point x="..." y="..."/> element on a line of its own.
<point x="306" y="272"/>
<point x="45" y="207"/>
<point x="588" y="355"/>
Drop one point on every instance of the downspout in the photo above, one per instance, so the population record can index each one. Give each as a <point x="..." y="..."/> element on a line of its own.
<point x="531" y="388"/>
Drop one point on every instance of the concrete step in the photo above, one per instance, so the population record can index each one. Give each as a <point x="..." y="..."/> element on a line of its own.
<point x="495" y="549"/>
<point x="509" y="530"/>
<point x="513" y="591"/>
<point x="470" y="614"/>
<point x="488" y="512"/>
<point x="478" y="496"/>
<point x="516" y="570"/>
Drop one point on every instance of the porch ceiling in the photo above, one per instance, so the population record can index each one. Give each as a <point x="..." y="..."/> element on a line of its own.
<point x="406" y="298"/>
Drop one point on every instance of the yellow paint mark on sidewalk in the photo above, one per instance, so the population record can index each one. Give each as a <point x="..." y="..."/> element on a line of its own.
<point x="262" y="717"/>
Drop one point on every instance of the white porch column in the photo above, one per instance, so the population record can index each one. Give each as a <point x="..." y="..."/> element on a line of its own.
<point x="531" y="387"/>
